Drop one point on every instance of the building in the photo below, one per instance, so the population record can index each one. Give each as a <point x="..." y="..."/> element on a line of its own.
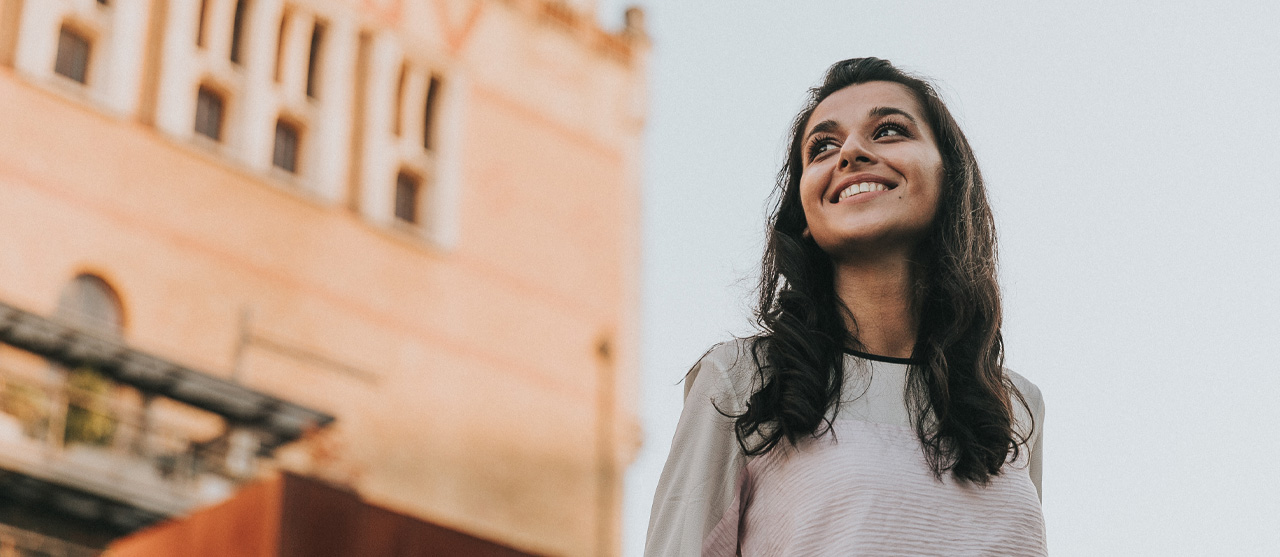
<point x="390" y="244"/>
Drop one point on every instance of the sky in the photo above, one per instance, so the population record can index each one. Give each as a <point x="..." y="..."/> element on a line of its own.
<point x="1130" y="153"/>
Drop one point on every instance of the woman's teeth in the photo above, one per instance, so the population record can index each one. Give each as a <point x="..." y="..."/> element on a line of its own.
<point x="861" y="188"/>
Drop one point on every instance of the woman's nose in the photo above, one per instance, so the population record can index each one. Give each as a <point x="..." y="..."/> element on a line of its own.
<point x="854" y="153"/>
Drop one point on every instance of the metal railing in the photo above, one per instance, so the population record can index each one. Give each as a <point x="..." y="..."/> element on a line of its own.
<point x="79" y="424"/>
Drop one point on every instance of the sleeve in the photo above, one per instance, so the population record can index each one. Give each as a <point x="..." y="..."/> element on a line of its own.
<point x="699" y="481"/>
<point x="1031" y="417"/>
<point x="1037" y="442"/>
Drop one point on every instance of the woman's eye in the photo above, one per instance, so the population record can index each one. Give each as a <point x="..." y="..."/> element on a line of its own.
<point x="822" y="146"/>
<point x="889" y="130"/>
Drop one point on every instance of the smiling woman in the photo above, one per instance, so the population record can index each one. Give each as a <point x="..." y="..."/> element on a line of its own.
<point x="867" y="143"/>
<point x="871" y="414"/>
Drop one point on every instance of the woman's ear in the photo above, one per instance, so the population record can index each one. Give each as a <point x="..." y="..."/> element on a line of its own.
<point x="806" y="234"/>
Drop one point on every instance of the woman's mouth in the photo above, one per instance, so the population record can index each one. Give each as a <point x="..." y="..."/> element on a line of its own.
<point x="861" y="188"/>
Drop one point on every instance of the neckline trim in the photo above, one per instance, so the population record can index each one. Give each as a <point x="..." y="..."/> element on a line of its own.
<point x="879" y="358"/>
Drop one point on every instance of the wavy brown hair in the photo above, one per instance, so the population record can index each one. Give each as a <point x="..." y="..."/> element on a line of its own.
<point x="958" y="394"/>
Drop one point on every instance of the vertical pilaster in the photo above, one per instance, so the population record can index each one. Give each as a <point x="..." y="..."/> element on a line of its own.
<point x="446" y="188"/>
<point x="293" y="56"/>
<point x="125" y="50"/>
<point x="256" y="120"/>
<point x="38" y="37"/>
<point x="180" y="67"/>
<point x="380" y="160"/>
<point x="330" y="152"/>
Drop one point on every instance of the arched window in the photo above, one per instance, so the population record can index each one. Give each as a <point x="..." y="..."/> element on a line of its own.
<point x="92" y="417"/>
<point x="91" y="303"/>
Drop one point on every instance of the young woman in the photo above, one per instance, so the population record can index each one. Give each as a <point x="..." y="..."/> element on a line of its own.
<point x="871" y="415"/>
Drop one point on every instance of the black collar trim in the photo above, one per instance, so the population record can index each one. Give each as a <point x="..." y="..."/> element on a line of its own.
<point x="879" y="358"/>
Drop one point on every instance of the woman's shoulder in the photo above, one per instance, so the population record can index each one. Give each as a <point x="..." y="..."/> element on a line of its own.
<point x="1030" y="392"/>
<point x="726" y="369"/>
<point x="1028" y="389"/>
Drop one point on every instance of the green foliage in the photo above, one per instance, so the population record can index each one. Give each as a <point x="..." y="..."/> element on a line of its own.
<point x="90" y="418"/>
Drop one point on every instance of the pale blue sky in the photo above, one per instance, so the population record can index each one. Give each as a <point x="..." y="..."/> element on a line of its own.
<point x="1130" y="150"/>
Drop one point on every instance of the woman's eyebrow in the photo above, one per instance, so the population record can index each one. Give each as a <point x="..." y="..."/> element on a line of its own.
<point x="825" y="126"/>
<point x="830" y="126"/>
<point x="882" y="111"/>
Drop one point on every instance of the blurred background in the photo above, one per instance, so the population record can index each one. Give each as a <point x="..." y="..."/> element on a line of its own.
<point x="382" y="277"/>
<point x="318" y="277"/>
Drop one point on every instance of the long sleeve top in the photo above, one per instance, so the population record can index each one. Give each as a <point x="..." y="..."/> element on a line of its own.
<point x="864" y="488"/>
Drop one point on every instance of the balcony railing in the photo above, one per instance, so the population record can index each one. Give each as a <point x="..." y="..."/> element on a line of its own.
<point x="275" y="421"/>
<point x="119" y="437"/>
<point x="81" y="432"/>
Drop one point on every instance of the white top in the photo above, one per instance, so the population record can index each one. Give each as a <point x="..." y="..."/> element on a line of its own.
<point x="862" y="489"/>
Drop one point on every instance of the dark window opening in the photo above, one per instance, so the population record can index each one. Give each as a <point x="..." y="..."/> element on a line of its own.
<point x="408" y="189"/>
<point x="284" y="24"/>
<point x="237" y="31"/>
<point x="429" y="116"/>
<point x="286" y="148"/>
<point x="73" y="55"/>
<point x="399" y="114"/>
<point x="204" y="14"/>
<point x="209" y="109"/>
<point x="313" y="58"/>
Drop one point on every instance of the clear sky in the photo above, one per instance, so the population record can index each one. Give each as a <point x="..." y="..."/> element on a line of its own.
<point x="1131" y="154"/>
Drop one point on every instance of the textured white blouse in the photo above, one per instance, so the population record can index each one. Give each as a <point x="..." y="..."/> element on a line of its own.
<point x="862" y="489"/>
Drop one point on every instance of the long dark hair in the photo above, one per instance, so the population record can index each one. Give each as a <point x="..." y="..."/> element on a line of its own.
<point x="957" y="391"/>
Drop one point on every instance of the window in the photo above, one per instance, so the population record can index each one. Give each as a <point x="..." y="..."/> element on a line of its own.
<point x="204" y="14"/>
<point x="284" y="26"/>
<point x="89" y="302"/>
<point x="237" y="31"/>
<point x="408" y="189"/>
<point x="73" y="55"/>
<point x="286" y="149"/>
<point x="399" y="114"/>
<point x="209" y="109"/>
<point x="313" y="60"/>
<point x="429" y="112"/>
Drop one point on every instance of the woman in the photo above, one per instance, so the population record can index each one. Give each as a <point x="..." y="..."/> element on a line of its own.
<point x="871" y="416"/>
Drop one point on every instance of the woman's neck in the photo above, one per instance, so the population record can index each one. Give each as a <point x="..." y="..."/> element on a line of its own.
<point x="878" y="293"/>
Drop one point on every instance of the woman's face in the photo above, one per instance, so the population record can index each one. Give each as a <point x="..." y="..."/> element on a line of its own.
<point x="872" y="174"/>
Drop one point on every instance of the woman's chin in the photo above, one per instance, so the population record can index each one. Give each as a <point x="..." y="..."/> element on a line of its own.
<point x="872" y="243"/>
